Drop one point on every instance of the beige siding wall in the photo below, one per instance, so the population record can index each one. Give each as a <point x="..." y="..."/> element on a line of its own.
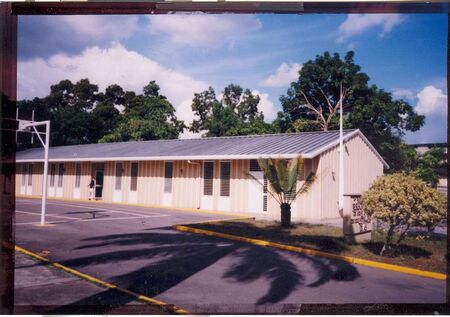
<point x="150" y="182"/>
<point x="68" y="179"/>
<point x="186" y="185"/>
<point x="361" y="168"/>
<point x="307" y="205"/>
<point x="239" y="185"/>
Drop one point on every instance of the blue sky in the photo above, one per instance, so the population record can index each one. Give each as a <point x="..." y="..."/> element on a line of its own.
<point x="403" y="54"/>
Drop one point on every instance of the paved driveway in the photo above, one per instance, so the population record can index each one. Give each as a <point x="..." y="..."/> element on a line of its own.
<point x="135" y="247"/>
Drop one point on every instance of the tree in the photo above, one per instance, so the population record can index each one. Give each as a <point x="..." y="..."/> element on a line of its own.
<point x="81" y="114"/>
<point x="282" y="175"/>
<point x="146" y="117"/>
<point x="317" y="92"/>
<point x="430" y="164"/>
<point x="402" y="201"/>
<point x="314" y="99"/>
<point x="235" y="114"/>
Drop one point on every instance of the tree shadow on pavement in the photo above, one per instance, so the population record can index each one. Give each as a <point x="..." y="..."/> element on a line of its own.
<point x="152" y="262"/>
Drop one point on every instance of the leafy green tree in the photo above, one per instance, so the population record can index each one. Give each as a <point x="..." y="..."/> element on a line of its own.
<point x="146" y="117"/>
<point x="315" y="96"/>
<point x="282" y="175"/>
<point x="430" y="164"/>
<point x="317" y="92"/>
<point x="235" y="114"/>
<point x="255" y="127"/>
<point x="80" y="114"/>
<point x="402" y="201"/>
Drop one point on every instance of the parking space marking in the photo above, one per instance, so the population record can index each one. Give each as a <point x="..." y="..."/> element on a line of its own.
<point x="47" y="215"/>
<point x="121" y="218"/>
<point x="94" y="219"/>
<point x="106" y="209"/>
<point x="38" y="222"/>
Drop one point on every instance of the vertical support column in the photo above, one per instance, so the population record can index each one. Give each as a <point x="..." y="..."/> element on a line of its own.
<point x="45" y="176"/>
<point x="8" y="128"/>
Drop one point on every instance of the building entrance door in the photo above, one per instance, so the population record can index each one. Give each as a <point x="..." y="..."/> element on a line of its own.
<point x="98" y="184"/>
<point x="256" y="195"/>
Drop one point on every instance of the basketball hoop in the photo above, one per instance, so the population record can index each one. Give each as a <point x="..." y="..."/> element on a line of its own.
<point x="29" y="126"/>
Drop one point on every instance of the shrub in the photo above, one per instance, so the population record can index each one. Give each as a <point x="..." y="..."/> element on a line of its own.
<point x="403" y="201"/>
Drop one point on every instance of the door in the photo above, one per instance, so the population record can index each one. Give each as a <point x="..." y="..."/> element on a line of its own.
<point x="76" y="190"/>
<point x="207" y="200"/>
<point x="52" y="183"/>
<point x="98" y="184"/>
<point x="256" y="192"/>
<point x="59" y="188"/>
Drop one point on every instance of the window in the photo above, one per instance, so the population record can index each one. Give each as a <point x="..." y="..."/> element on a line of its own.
<point x="118" y="185"/>
<point x="30" y="174"/>
<point x="168" y="173"/>
<point x="52" y="175"/>
<point x="225" y="168"/>
<point x="60" y="174"/>
<point x="208" y="174"/>
<point x="254" y="166"/>
<point x="77" y="175"/>
<point x="134" y="175"/>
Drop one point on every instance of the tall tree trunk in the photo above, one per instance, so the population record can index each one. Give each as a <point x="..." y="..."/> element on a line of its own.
<point x="285" y="215"/>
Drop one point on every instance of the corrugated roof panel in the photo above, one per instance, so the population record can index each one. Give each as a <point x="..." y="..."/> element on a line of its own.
<point x="277" y="144"/>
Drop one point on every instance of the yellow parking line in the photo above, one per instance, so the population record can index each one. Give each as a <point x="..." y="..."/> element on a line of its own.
<point x="349" y="259"/>
<point x="143" y="298"/>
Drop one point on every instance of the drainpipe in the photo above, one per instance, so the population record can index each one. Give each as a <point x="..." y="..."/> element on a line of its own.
<point x="199" y="179"/>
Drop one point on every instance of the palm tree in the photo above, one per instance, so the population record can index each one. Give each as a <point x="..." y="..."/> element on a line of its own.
<point x="282" y="175"/>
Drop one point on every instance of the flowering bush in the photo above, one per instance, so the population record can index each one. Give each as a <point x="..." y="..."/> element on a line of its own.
<point x="403" y="201"/>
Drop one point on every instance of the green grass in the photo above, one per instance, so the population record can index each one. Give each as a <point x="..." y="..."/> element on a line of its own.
<point x="416" y="252"/>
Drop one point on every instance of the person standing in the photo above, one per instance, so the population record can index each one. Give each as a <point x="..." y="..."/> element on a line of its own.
<point x="91" y="189"/>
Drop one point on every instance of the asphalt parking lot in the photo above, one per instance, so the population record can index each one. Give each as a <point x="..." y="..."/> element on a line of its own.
<point x="136" y="248"/>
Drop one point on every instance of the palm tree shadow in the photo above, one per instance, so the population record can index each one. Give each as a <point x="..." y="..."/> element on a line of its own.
<point x="159" y="260"/>
<point x="285" y="276"/>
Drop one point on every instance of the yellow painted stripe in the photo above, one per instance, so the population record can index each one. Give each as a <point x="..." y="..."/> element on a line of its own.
<point x="349" y="259"/>
<point x="172" y="208"/>
<point x="140" y="297"/>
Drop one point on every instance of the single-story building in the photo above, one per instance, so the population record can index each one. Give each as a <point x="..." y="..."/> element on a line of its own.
<point x="207" y="173"/>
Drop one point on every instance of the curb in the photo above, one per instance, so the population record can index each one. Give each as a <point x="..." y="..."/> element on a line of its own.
<point x="206" y="211"/>
<point x="140" y="297"/>
<point x="348" y="259"/>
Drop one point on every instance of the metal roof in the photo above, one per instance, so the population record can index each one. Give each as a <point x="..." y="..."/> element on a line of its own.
<point x="288" y="145"/>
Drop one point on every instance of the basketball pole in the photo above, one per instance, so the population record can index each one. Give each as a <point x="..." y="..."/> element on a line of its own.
<point x="23" y="125"/>
<point x="341" y="156"/>
<point x="44" y="191"/>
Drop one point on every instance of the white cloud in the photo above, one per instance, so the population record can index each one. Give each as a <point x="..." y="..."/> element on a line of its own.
<point x="266" y="106"/>
<point x="207" y="31"/>
<point x="356" y="24"/>
<point x="101" y="27"/>
<point x="431" y="100"/>
<point x="402" y="93"/>
<point x="114" y="65"/>
<point x="283" y="76"/>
